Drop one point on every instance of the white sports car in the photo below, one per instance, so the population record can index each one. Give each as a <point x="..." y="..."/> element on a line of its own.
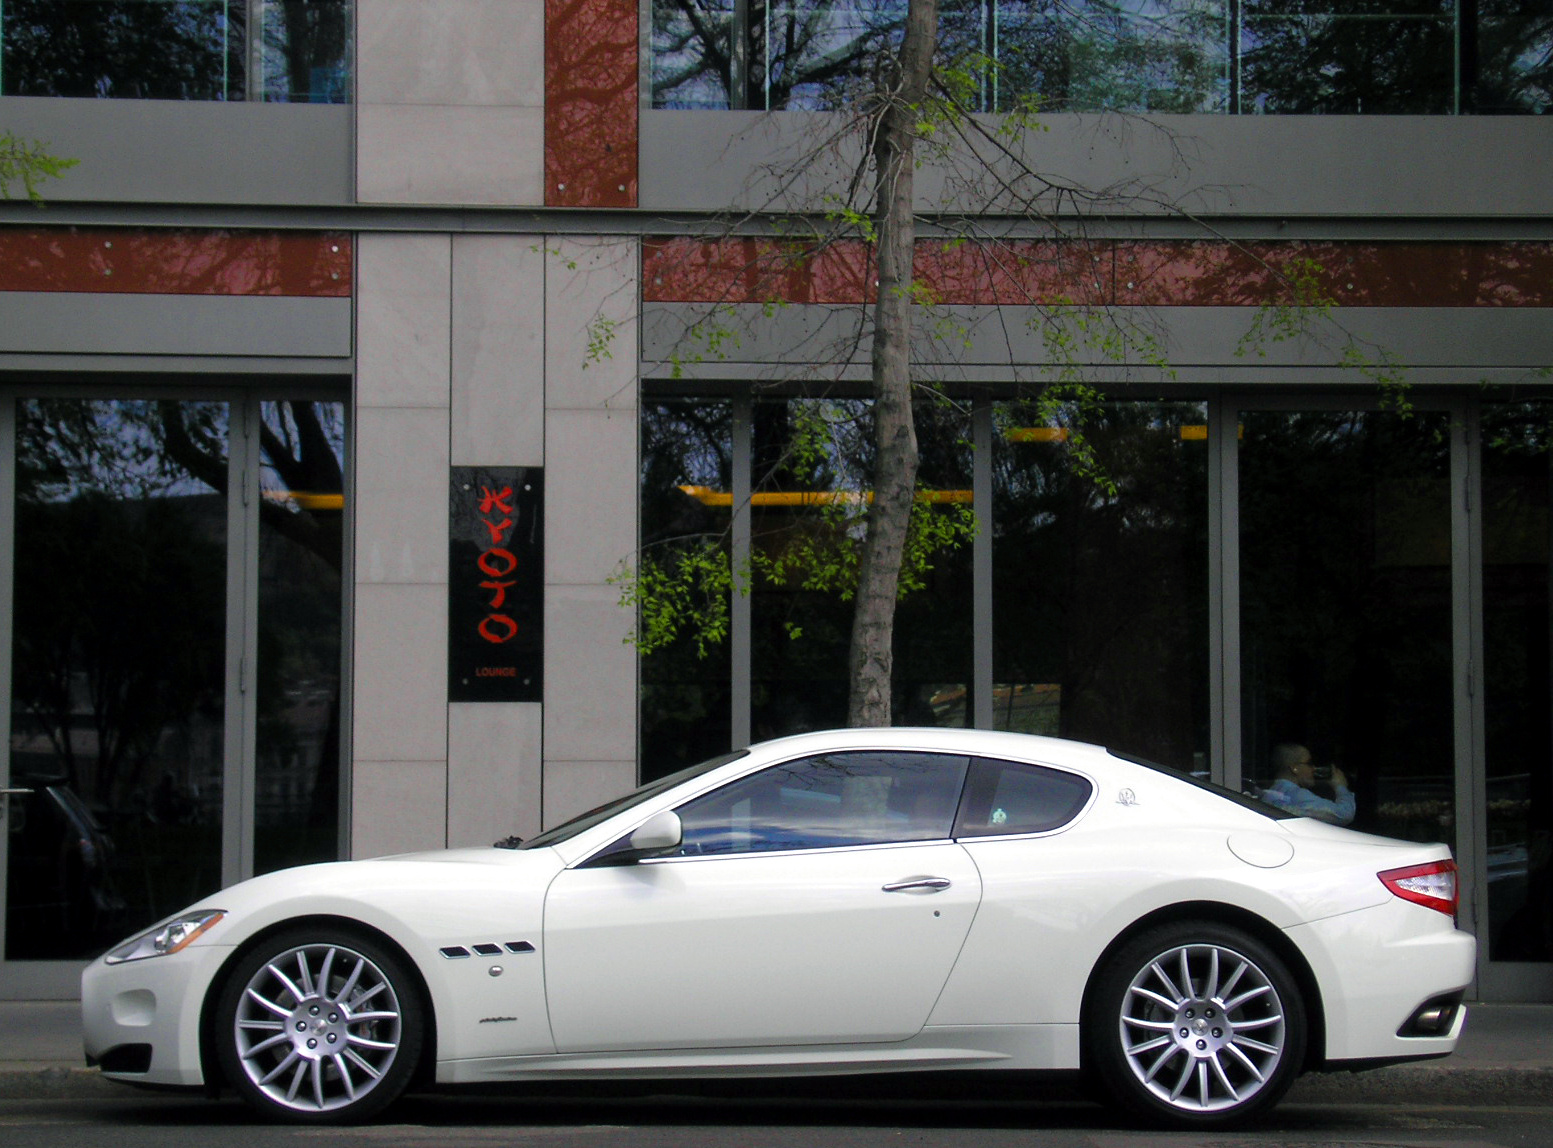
<point x="844" y="902"/>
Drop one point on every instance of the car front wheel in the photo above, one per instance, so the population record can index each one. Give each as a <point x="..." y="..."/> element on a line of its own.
<point x="319" y="1025"/>
<point x="1195" y="1025"/>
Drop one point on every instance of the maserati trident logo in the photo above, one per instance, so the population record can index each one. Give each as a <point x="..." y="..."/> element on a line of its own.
<point x="1126" y="797"/>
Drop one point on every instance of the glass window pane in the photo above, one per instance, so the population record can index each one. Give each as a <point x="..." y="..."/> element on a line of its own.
<point x="1517" y="481"/>
<point x="1357" y="56"/>
<point x="1507" y="58"/>
<point x="811" y="458"/>
<point x="1345" y="624"/>
<point x="306" y="49"/>
<point x="118" y="671"/>
<point x="125" y="49"/>
<point x="686" y="509"/>
<point x="1011" y="797"/>
<point x="301" y="510"/>
<point x="1100" y="596"/>
<point x="823" y="802"/>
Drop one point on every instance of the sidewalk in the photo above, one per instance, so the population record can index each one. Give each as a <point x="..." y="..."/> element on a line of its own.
<point x="1505" y="1057"/>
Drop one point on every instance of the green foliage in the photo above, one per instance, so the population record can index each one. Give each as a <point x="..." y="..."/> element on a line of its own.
<point x="1303" y="303"/>
<point x="1074" y="337"/>
<point x="814" y="525"/>
<point x="679" y="589"/>
<point x="28" y="163"/>
<point x="1306" y="309"/>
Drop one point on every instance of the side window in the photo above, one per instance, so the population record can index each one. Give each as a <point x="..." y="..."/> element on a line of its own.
<point x="827" y="801"/>
<point x="1011" y="797"/>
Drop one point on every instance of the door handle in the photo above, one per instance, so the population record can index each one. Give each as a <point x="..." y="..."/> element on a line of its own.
<point x="919" y="885"/>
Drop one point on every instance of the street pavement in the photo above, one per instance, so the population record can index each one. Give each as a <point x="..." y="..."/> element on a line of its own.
<point x="1505" y="1058"/>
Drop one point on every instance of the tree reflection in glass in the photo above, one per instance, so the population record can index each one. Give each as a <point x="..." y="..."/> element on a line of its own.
<point x="302" y="509"/>
<point x="1100" y="596"/>
<point x="176" y="49"/>
<point x="118" y="670"/>
<point x="1236" y="56"/>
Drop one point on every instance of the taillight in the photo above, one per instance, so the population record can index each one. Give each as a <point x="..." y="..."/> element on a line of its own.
<point x="1432" y="885"/>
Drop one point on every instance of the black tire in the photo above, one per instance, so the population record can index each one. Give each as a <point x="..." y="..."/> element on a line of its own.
<point x="319" y="1025"/>
<point x="1194" y="1025"/>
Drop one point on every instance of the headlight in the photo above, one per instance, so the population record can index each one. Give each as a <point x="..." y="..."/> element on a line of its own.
<point x="164" y="939"/>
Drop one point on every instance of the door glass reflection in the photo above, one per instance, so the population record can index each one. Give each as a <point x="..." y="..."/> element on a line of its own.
<point x="117" y="671"/>
<point x="1517" y="439"/>
<point x="301" y="512"/>
<point x="1100" y="582"/>
<point x="1345" y="583"/>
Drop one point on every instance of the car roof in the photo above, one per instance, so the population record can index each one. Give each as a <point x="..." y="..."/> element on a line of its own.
<point x="995" y="743"/>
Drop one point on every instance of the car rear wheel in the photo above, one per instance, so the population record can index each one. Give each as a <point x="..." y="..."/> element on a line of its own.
<point x="320" y="1025"/>
<point x="1195" y="1025"/>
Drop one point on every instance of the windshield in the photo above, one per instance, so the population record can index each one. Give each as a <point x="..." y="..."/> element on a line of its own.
<point x="588" y="820"/>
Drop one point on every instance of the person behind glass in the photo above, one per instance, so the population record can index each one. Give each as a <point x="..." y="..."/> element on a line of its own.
<point x="1293" y="788"/>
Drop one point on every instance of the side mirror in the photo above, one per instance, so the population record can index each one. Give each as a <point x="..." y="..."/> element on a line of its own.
<point x="659" y="832"/>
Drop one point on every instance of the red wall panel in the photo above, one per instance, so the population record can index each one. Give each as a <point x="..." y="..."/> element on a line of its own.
<point x="128" y="261"/>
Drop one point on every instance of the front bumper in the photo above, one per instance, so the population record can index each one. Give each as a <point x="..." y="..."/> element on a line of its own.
<point x="140" y="1020"/>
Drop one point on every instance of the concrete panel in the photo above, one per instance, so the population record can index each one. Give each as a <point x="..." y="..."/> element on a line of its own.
<point x="498" y="351"/>
<point x="191" y="151"/>
<point x="590" y="494"/>
<point x="573" y="787"/>
<point x="403" y="319"/>
<point x="68" y="323"/>
<point x="494" y="771"/>
<point x="590" y="322"/>
<point x="453" y="52"/>
<point x="1377" y="166"/>
<point x="401" y="671"/>
<point x="426" y="154"/>
<point x="401" y="495"/>
<point x="397" y="807"/>
<point x="590" y="676"/>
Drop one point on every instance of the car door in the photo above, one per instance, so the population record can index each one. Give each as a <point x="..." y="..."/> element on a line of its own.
<point x="817" y="901"/>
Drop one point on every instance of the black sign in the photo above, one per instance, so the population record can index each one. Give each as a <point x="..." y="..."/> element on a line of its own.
<point x="496" y="574"/>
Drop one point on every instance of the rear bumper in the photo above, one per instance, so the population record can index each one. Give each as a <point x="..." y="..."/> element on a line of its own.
<point x="1411" y="957"/>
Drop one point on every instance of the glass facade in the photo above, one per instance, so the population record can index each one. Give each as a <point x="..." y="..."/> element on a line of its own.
<point x="1345" y="610"/>
<point x="176" y="658"/>
<point x="1518" y="784"/>
<point x="117" y="705"/>
<point x="1341" y="602"/>
<point x="1100" y="596"/>
<point x="301" y="558"/>
<point x="285" y="51"/>
<point x="1427" y="57"/>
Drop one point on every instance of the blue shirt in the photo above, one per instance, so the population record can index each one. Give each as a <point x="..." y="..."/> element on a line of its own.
<point x="1291" y="797"/>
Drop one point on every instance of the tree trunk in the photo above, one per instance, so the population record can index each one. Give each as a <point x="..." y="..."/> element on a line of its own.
<point x="901" y="95"/>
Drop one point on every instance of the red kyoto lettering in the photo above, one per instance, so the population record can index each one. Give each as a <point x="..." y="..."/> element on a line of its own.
<point x="500" y="596"/>
<point x="497" y="529"/>
<point x="489" y="561"/>
<point x="501" y="501"/>
<point x="498" y="628"/>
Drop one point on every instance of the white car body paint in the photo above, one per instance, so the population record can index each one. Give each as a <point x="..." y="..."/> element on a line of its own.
<point x="801" y="962"/>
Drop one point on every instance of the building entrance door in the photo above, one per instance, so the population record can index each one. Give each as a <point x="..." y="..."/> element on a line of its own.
<point x="172" y="596"/>
<point x="1387" y="603"/>
<point x="1513" y="877"/>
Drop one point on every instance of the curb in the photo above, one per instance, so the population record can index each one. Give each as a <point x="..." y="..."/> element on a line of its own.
<point x="1415" y="1085"/>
